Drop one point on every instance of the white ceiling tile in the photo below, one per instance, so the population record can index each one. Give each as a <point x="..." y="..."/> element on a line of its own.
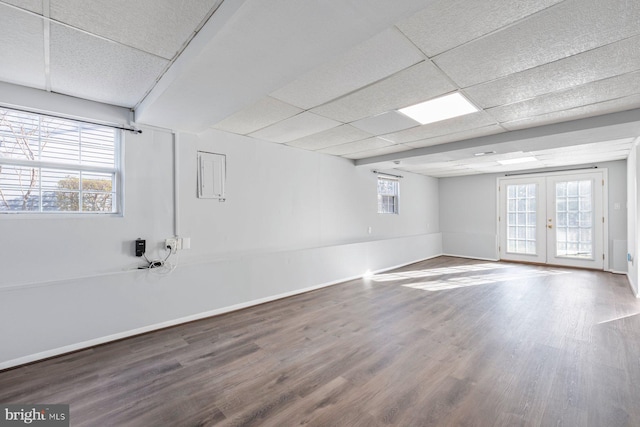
<point x="590" y="93"/>
<point x="457" y="136"/>
<point x="381" y="124"/>
<point x="31" y="5"/>
<point x="596" y="147"/>
<point x="377" y="58"/>
<point x="607" y="107"/>
<point x="263" y="113"/>
<point x="445" y="24"/>
<point x="607" y="61"/>
<point x="454" y="125"/>
<point x="561" y="156"/>
<point x="95" y="69"/>
<point x="159" y="27"/>
<point x="377" y="152"/>
<point x="568" y="28"/>
<point x="21" y="48"/>
<point x="334" y="136"/>
<point x="303" y="124"/>
<point x="354" y="147"/>
<point x="410" y="86"/>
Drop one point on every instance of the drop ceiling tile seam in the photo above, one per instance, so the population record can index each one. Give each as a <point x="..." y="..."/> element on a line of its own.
<point x="178" y="53"/>
<point x="558" y="91"/>
<point x="289" y="118"/>
<point x="565" y="110"/>
<point x="544" y="65"/>
<point x="20" y="9"/>
<point x="489" y="110"/>
<point x="569" y="88"/>
<point x="293" y="107"/>
<point x="491" y="33"/>
<point x="51" y="20"/>
<point x="366" y="87"/>
<point x="46" y="28"/>
<point x="361" y="151"/>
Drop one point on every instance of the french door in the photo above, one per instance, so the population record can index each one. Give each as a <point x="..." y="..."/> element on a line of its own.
<point x="554" y="219"/>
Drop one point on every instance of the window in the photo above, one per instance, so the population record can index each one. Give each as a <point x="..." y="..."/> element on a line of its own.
<point x="388" y="195"/>
<point x="49" y="164"/>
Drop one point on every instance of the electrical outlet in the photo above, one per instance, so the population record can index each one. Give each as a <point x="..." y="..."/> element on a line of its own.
<point x="186" y="243"/>
<point x="173" y="243"/>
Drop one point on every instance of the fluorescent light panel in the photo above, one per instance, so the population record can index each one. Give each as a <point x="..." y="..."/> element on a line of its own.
<point x="442" y="108"/>
<point x="517" y="160"/>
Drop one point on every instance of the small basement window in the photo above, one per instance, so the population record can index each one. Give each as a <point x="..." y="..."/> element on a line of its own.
<point x="388" y="194"/>
<point x="54" y="165"/>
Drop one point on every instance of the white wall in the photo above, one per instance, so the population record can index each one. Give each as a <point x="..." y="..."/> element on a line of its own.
<point x="468" y="212"/>
<point x="293" y="220"/>
<point x="633" y="212"/>
<point x="468" y="216"/>
<point x="279" y="198"/>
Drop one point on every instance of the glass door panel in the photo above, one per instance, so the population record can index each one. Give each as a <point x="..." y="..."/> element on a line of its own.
<point x="574" y="233"/>
<point x="555" y="219"/>
<point x="522" y="227"/>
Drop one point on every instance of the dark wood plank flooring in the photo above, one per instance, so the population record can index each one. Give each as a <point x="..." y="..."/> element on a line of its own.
<point x="445" y="342"/>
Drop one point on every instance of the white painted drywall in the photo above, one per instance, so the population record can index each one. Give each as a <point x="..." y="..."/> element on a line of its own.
<point x="468" y="213"/>
<point x="293" y="221"/>
<point x="279" y="198"/>
<point x="633" y="161"/>
<point x="468" y="216"/>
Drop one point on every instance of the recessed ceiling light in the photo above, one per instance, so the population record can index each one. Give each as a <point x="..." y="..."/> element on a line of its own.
<point x="517" y="160"/>
<point x="435" y="110"/>
<point x="484" y="153"/>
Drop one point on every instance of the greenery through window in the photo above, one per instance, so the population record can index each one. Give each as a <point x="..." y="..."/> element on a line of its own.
<point x="49" y="164"/>
<point x="388" y="195"/>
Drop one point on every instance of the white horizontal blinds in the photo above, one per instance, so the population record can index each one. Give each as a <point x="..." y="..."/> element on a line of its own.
<point x="388" y="192"/>
<point x="50" y="164"/>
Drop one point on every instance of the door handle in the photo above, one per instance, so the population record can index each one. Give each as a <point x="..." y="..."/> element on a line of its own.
<point x="549" y="226"/>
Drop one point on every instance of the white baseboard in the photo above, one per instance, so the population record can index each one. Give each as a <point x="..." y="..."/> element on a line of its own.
<point x="472" y="257"/>
<point x="617" y="272"/>
<point x="130" y="333"/>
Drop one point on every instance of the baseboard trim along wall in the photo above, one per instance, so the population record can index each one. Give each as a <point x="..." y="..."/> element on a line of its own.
<point x="141" y="300"/>
<point x="471" y="257"/>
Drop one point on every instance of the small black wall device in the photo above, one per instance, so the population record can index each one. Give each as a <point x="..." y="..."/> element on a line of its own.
<point x="140" y="247"/>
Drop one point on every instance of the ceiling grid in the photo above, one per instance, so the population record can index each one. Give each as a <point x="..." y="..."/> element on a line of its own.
<point x="331" y="79"/>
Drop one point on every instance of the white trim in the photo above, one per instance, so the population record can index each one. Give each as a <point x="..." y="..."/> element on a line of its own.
<point x="472" y="257"/>
<point x="545" y="175"/>
<point x="633" y="291"/>
<point x="133" y="268"/>
<point x="130" y="333"/>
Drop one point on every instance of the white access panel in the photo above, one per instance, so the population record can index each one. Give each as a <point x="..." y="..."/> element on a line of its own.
<point x="212" y="174"/>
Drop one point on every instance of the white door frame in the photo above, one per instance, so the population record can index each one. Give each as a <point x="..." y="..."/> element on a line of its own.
<point x="605" y="204"/>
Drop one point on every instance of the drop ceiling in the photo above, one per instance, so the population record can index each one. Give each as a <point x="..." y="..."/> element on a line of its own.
<point x="330" y="76"/>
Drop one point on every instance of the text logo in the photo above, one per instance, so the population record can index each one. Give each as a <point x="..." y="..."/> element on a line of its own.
<point x="34" y="415"/>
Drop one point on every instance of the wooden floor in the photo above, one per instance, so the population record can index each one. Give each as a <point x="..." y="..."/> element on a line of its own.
<point x="445" y="342"/>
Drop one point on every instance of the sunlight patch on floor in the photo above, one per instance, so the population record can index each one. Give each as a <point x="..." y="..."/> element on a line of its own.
<point x="481" y="279"/>
<point x="432" y="272"/>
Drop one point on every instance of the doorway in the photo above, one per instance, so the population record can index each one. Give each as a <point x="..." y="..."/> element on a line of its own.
<point x="553" y="219"/>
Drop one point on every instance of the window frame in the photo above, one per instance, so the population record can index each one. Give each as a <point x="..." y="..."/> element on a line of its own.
<point x="116" y="172"/>
<point x="395" y="197"/>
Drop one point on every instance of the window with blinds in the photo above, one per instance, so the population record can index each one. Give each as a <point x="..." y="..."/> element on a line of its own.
<point x="55" y="165"/>
<point x="388" y="195"/>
